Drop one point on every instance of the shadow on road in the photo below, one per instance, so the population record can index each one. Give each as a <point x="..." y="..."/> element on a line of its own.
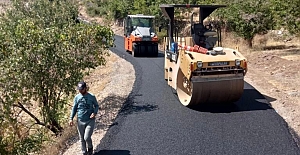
<point x="115" y="104"/>
<point x="251" y="100"/>
<point x="113" y="152"/>
<point x="269" y="99"/>
<point x="136" y="108"/>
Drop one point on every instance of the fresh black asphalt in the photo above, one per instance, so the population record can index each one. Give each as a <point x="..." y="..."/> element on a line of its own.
<point x="153" y="122"/>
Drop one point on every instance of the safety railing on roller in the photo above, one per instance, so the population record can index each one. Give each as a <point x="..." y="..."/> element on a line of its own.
<point x="172" y="53"/>
<point x="194" y="48"/>
<point x="175" y="46"/>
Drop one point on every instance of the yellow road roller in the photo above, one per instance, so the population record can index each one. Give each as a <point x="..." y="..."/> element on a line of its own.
<point x="197" y="66"/>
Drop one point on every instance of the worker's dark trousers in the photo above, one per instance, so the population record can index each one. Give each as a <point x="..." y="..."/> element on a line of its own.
<point x="85" y="130"/>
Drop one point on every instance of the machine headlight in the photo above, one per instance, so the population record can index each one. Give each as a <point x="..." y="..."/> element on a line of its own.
<point x="237" y="62"/>
<point x="199" y="64"/>
<point x="152" y="34"/>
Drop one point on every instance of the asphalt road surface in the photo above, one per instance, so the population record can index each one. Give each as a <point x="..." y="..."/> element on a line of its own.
<point x="153" y="122"/>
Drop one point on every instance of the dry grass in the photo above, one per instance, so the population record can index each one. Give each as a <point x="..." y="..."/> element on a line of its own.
<point x="56" y="145"/>
<point x="4" y="4"/>
<point x="232" y="41"/>
<point x="261" y="43"/>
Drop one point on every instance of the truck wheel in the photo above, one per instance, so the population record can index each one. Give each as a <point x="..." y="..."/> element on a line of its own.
<point x="154" y="49"/>
<point x="134" y="52"/>
<point x="128" y="51"/>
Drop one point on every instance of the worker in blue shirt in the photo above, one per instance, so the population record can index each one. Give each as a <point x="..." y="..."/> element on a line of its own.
<point x="86" y="107"/>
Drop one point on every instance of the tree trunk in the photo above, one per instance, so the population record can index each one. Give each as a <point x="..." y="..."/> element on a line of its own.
<point x="55" y="127"/>
<point x="250" y="42"/>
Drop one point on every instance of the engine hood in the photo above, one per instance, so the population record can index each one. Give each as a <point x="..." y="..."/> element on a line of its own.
<point x="143" y="32"/>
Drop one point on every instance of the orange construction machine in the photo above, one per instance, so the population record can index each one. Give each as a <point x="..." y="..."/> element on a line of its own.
<point x="139" y="35"/>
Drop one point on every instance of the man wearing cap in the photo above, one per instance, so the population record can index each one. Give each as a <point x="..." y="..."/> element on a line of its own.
<point x="86" y="107"/>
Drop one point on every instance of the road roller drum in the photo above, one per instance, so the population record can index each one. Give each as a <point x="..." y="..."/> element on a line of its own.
<point x="226" y="90"/>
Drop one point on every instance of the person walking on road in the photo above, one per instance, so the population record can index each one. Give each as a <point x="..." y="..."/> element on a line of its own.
<point x="86" y="107"/>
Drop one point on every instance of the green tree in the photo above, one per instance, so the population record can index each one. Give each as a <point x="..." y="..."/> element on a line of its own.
<point x="44" y="52"/>
<point x="293" y="16"/>
<point x="286" y="14"/>
<point x="248" y="18"/>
